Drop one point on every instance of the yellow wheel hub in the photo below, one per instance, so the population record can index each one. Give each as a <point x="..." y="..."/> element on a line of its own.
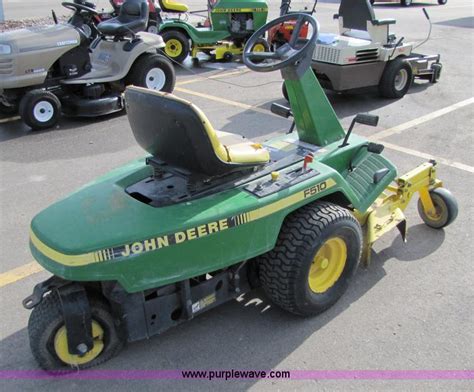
<point x="62" y="349"/>
<point x="258" y="48"/>
<point x="327" y="265"/>
<point x="173" y="47"/>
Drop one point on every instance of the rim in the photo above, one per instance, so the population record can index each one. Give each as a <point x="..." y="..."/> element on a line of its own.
<point x="401" y="80"/>
<point x="173" y="47"/>
<point x="258" y="48"/>
<point x="152" y="29"/>
<point x="155" y="79"/>
<point x="43" y="111"/>
<point x="439" y="213"/>
<point x="327" y="265"/>
<point x="62" y="350"/>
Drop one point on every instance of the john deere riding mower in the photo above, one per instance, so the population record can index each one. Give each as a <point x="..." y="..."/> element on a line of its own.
<point x="231" y="23"/>
<point x="208" y="215"/>
<point x="52" y="69"/>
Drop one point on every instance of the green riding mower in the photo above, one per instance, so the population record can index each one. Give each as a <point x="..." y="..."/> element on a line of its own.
<point x="206" y="216"/>
<point x="229" y="25"/>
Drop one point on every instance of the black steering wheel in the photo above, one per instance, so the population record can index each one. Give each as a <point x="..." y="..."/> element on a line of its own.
<point x="77" y="8"/>
<point x="287" y="54"/>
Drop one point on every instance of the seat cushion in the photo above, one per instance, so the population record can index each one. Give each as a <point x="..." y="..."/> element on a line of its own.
<point x="242" y="150"/>
<point x="172" y="6"/>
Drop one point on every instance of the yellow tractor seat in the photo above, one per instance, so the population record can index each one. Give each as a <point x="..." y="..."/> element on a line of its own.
<point x="173" y="6"/>
<point x="178" y="132"/>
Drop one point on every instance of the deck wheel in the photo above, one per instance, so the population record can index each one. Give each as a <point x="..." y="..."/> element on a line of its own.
<point x="445" y="208"/>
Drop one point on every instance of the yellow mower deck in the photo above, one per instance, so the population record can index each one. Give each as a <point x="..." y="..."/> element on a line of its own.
<point x="387" y="211"/>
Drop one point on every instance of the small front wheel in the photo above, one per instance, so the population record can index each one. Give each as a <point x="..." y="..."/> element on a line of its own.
<point x="154" y="72"/>
<point x="445" y="209"/>
<point x="40" y="109"/>
<point x="442" y="2"/>
<point x="316" y="255"/>
<point x="48" y="336"/>
<point x="406" y="3"/>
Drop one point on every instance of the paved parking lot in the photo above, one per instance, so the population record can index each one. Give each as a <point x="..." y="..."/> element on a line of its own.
<point x="411" y="309"/>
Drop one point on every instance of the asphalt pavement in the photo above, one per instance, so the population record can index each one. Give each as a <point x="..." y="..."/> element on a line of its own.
<point x="411" y="309"/>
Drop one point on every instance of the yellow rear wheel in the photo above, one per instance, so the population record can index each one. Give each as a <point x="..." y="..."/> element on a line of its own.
<point x="327" y="265"/>
<point x="177" y="45"/>
<point x="316" y="255"/>
<point x="173" y="48"/>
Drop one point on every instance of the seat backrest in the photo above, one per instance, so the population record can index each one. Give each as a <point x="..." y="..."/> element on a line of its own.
<point x="134" y="9"/>
<point x="176" y="132"/>
<point x="356" y="13"/>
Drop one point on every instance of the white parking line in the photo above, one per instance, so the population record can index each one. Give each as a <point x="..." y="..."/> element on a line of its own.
<point x="420" y="120"/>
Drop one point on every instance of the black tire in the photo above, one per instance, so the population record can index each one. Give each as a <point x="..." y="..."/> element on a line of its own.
<point x="437" y="69"/>
<point x="153" y="71"/>
<point x="45" y="321"/>
<point x="446" y="209"/>
<point x="372" y="2"/>
<point x="228" y="57"/>
<point x="183" y="41"/>
<point x="284" y="271"/>
<point x="442" y="2"/>
<point x="284" y="91"/>
<point x="406" y="3"/>
<point x="8" y="110"/>
<point x="40" y="109"/>
<point x="390" y="85"/>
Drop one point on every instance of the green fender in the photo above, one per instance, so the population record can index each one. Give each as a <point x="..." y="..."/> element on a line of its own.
<point x="199" y="36"/>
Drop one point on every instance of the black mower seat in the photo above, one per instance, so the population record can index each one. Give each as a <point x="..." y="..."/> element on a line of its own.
<point x="179" y="134"/>
<point x="173" y="6"/>
<point x="356" y="13"/>
<point x="133" y="17"/>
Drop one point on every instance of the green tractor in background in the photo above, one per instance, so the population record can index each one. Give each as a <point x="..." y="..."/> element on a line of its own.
<point x="222" y="36"/>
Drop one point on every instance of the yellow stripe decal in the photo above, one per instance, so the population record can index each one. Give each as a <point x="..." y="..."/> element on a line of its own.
<point x="70" y="260"/>
<point x="190" y="234"/>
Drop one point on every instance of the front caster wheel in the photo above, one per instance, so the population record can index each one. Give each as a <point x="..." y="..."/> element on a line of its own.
<point x="40" y="109"/>
<point x="445" y="209"/>
<point x="48" y="339"/>
<point x="316" y="255"/>
<point x="154" y="72"/>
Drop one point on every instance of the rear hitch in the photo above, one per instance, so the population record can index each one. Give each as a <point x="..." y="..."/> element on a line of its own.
<point x="40" y="290"/>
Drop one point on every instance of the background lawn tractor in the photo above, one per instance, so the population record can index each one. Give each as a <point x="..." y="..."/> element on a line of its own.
<point x="365" y="55"/>
<point x="50" y="69"/>
<point x="231" y="23"/>
<point x="208" y="215"/>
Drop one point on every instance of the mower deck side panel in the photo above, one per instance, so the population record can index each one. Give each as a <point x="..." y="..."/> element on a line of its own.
<point x="199" y="36"/>
<point x="112" y="234"/>
<point x="348" y="77"/>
